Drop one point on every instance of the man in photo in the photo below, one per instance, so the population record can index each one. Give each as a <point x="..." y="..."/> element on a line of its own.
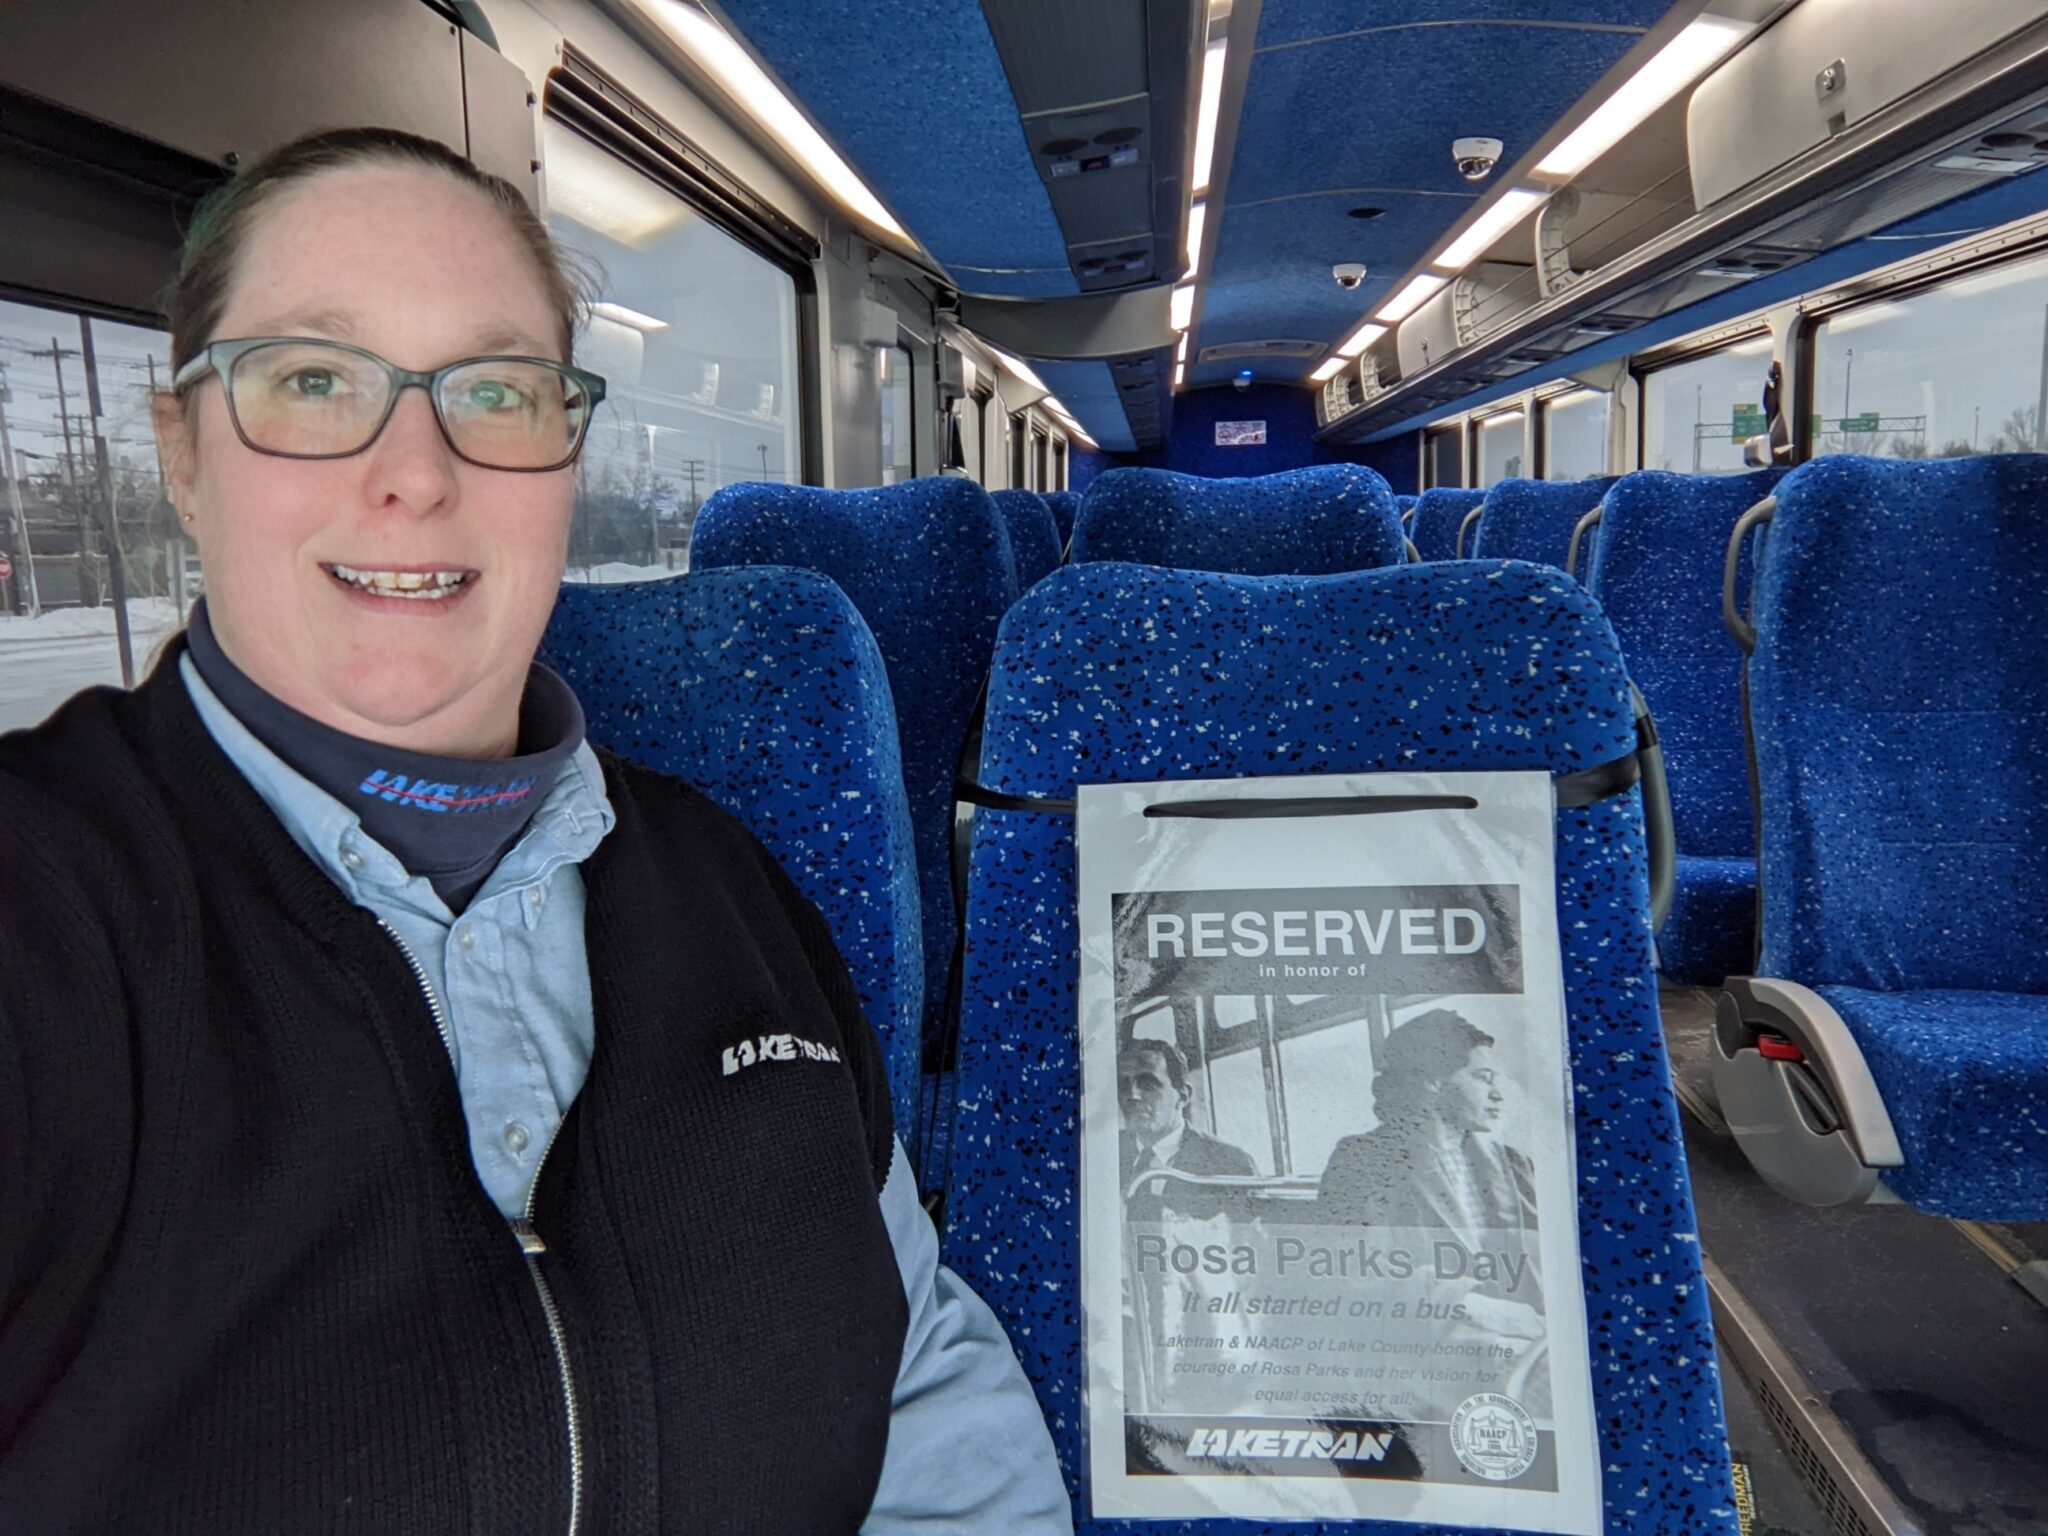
<point x="1153" y="1095"/>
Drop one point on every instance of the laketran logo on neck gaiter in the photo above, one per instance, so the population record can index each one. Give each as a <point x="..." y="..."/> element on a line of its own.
<point x="443" y="798"/>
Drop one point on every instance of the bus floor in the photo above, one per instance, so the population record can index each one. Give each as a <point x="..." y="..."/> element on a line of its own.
<point x="1890" y="1362"/>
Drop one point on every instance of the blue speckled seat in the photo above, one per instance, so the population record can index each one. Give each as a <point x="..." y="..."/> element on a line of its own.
<point x="1438" y="512"/>
<point x="1111" y="673"/>
<point x="1656" y="569"/>
<point x="1534" y="519"/>
<point x="1300" y="522"/>
<point x="1405" y="506"/>
<point x="1899" y="698"/>
<point x="763" y="688"/>
<point x="928" y="565"/>
<point x="1035" y="542"/>
<point x="1064" y="505"/>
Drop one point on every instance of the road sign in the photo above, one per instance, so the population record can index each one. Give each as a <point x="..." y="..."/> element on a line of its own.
<point x="1867" y="422"/>
<point x="1747" y="421"/>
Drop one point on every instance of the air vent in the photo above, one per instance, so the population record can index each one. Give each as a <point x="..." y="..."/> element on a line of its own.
<point x="1751" y="261"/>
<point x="1235" y="351"/>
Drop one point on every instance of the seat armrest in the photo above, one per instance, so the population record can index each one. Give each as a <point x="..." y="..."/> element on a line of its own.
<point x="1797" y="1093"/>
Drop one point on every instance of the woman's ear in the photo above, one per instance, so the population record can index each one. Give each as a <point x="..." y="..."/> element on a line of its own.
<point x="175" y="433"/>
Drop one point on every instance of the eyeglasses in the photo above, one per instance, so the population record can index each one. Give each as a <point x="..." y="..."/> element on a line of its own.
<point x="300" y="399"/>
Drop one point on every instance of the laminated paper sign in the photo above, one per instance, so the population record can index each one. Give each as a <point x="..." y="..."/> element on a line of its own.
<point x="1329" y="1249"/>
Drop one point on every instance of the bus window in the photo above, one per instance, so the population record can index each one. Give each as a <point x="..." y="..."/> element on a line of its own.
<point x="1017" y="446"/>
<point x="1059" y="466"/>
<point x="696" y="336"/>
<point x="1444" y="457"/>
<point x="1698" y="413"/>
<point x="893" y="363"/>
<point x="1038" y="451"/>
<point x="1575" y="435"/>
<point x="1500" y="448"/>
<point x="58" y="630"/>
<point x="1954" y="370"/>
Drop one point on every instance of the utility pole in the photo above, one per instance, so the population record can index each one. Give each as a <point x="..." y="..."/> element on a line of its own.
<point x="10" y="468"/>
<point x="103" y="480"/>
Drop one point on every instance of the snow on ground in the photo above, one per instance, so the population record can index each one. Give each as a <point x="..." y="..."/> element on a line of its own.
<point x="615" y="572"/>
<point x="44" y="660"/>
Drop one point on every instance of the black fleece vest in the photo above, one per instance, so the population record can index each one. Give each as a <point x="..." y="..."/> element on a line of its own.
<point x="249" y="1282"/>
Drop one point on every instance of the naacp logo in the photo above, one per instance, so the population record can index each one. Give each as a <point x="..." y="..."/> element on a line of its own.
<point x="1493" y="1437"/>
<point x="773" y="1048"/>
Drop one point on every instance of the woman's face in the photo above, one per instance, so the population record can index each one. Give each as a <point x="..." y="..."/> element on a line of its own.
<point x="412" y="265"/>
<point x="1470" y="1099"/>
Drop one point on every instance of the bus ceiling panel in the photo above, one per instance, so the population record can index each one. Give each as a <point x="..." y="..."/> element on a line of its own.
<point x="1271" y="276"/>
<point x="1091" y="325"/>
<point x="1303" y="21"/>
<point x="915" y="95"/>
<point x="1089" y="391"/>
<point x="1380" y="107"/>
<point x="159" y="71"/>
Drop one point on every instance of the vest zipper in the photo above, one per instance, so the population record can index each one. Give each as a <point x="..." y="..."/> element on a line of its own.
<point x="531" y="1246"/>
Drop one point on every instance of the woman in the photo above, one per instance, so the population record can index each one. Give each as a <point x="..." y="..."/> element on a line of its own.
<point x="370" y="1159"/>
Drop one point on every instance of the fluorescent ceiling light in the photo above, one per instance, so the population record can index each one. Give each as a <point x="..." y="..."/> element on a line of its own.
<point x="1179" y="373"/>
<point x="1017" y="367"/>
<point x="1328" y="371"/>
<point x="1869" y="314"/>
<point x="626" y="316"/>
<point x="1182" y="314"/>
<point x="1572" y="397"/>
<point x="1180" y="353"/>
<point x="598" y="192"/>
<point x="1503" y="419"/>
<point x="1670" y="70"/>
<point x="1205" y="118"/>
<point x="1198" y="214"/>
<point x="1507" y="211"/>
<point x="1052" y="403"/>
<point x="1360" y="339"/>
<point x="1411" y="298"/>
<point x="712" y="48"/>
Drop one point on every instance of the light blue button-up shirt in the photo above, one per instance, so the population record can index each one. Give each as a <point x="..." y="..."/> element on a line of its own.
<point x="510" y="984"/>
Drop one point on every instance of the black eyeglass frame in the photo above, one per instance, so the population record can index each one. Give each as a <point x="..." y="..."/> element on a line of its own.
<point x="220" y="357"/>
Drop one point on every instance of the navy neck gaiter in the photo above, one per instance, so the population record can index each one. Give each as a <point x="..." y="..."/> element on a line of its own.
<point x="448" y="818"/>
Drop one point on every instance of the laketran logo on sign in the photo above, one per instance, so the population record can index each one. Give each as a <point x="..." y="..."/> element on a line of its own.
<point x="444" y="799"/>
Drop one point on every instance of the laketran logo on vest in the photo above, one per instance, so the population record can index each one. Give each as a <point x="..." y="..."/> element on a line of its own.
<point x="774" y="1048"/>
<point x="444" y="799"/>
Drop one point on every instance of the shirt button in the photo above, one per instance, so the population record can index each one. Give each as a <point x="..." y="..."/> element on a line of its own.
<point x="466" y="936"/>
<point x="533" y="898"/>
<point x="350" y="859"/>
<point x="517" y="1138"/>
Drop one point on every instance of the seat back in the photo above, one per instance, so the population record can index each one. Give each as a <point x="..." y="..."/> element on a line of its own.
<point x="1405" y="505"/>
<point x="1064" y="505"/>
<point x="763" y="689"/>
<point x="928" y="566"/>
<point x="1656" y="569"/>
<point x="1438" y="512"/>
<point x="1901" y="724"/>
<point x="1330" y="517"/>
<point x="1108" y="673"/>
<point x="1035" y="542"/>
<point x="1534" y="519"/>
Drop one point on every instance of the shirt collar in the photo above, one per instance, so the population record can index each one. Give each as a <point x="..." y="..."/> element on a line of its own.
<point x="571" y="822"/>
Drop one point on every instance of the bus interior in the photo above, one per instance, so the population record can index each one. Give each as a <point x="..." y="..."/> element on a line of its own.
<point x="1032" y="332"/>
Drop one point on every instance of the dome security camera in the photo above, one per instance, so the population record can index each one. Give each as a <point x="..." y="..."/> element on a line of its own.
<point x="1476" y="157"/>
<point x="1349" y="274"/>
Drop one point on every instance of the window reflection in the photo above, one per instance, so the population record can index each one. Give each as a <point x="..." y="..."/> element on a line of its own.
<point x="697" y="339"/>
<point x="893" y="363"/>
<point x="1500" y="448"/>
<point x="1697" y="414"/>
<point x="1955" y="370"/>
<point x="1575" y="435"/>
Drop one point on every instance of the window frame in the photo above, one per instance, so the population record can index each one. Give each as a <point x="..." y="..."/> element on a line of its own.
<point x="581" y="98"/>
<point x="1691" y="349"/>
